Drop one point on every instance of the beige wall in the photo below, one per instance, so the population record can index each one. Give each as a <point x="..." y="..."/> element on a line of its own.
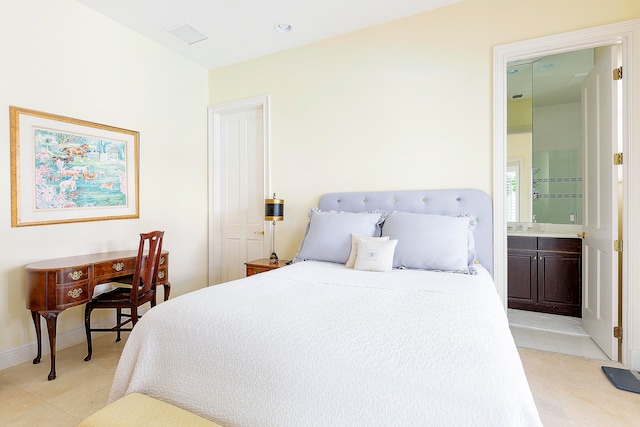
<point x="519" y="148"/>
<point x="519" y="115"/>
<point x="62" y="58"/>
<point x="404" y="105"/>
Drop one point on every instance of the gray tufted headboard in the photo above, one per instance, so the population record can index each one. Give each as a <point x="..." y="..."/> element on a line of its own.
<point x="440" y="202"/>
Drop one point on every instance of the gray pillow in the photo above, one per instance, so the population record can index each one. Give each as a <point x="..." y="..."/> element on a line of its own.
<point x="430" y="242"/>
<point x="329" y="234"/>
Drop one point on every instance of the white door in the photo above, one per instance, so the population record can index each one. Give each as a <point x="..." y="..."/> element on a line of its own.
<point x="600" y="260"/>
<point x="237" y="188"/>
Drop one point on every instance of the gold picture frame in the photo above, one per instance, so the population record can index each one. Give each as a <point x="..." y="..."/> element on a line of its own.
<point x="67" y="170"/>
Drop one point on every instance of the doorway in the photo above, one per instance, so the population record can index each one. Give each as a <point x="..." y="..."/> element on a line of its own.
<point x="238" y="185"/>
<point x="566" y="104"/>
<point x="617" y="34"/>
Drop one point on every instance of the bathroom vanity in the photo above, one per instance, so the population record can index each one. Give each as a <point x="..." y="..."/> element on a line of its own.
<point x="545" y="273"/>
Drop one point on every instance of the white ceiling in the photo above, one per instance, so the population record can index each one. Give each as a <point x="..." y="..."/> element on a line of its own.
<point x="551" y="80"/>
<point x="239" y="30"/>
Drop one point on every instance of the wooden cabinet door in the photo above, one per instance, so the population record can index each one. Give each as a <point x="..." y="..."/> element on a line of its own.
<point x="522" y="276"/>
<point x="522" y="272"/>
<point x="559" y="283"/>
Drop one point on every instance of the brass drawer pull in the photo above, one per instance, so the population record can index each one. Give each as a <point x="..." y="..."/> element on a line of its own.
<point x="75" y="293"/>
<point x="118" y="266"/>
<point x="161" y="260"/>
<point x="75" y="275"/>
<point x="161" y="274"/>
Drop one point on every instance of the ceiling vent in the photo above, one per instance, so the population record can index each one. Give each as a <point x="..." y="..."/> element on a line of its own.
<point x="577" y="78"/>
<point x="185" y="33"/>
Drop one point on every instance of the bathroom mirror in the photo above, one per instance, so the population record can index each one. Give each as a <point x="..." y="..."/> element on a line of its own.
<point x="544" y="138"/>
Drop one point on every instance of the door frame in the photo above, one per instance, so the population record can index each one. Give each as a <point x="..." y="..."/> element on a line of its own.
<point x="624" y="34"/>
<point x="214" y="171"/>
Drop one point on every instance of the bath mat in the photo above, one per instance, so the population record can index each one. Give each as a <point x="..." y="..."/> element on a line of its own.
<point x="623" y="379"/>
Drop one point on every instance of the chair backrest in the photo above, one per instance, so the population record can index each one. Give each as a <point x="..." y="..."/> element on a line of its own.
<point x="147" y="264"/>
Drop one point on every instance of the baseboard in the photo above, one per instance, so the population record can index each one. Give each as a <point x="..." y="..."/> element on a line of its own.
<point x="28" y="352"/>
<point x="634" y="363"/>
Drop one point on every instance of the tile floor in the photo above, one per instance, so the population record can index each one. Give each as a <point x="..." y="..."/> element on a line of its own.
<point x="552" y="333"/>
<point x="546" y="322"/>
<point x="569" y="391"/>
<point x="573" y="391"/>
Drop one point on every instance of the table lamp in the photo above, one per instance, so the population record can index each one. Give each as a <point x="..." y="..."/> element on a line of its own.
<point x="273" y="211"/>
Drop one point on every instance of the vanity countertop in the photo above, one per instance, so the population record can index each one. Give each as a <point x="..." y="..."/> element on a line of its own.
<point x="533" y="233"/>
<point x="543" y="230"/>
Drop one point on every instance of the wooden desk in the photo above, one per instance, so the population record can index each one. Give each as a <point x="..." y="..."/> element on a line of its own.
<point x="53" y="286"/>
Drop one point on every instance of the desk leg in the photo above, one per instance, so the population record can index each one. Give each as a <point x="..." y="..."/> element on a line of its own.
<point x="36" y="322"/>
<point x="52" y="319"/>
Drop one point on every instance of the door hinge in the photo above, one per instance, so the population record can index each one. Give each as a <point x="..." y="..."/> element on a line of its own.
<point x="617" y="245"/>
<point x="617" y="73"/>
<point x="617" y="332"/>
<point x="617" y="159"/>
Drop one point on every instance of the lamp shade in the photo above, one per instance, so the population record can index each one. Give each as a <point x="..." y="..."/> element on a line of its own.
<point x="273" y="209"/>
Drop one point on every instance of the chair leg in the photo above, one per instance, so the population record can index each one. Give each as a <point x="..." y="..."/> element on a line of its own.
<point x="134" y="316"/>
<point x="87" y="327"/>
<point x="119" y="319"/>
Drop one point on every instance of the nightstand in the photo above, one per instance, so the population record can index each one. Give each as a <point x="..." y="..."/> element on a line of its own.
<point x="262" y="265"/>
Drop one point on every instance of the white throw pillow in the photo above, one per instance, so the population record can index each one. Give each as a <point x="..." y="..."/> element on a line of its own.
<point x="375" y="255"/>
<point x="355" y="239"/>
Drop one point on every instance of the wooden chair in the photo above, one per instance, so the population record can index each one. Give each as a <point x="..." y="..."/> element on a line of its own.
<point x="142" y="290"/>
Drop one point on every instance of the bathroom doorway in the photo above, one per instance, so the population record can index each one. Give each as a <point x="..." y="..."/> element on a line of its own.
<point x="550" y="100"/>
<point x="540" y="48"/>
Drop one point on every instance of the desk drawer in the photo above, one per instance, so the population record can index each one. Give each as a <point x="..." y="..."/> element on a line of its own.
<point x="163" y="270"/>
<point x="72" y="275"/>
<point x="113" y="268"/>
<point x="251" y="270"/>
<point x="71" y="294"/>
<point x="163" y="275"/>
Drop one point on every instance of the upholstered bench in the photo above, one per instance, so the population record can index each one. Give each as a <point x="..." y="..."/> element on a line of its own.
<point x="138" y="410"/>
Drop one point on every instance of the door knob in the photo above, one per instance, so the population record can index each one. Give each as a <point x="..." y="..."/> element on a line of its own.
<point x="259" y="232"/>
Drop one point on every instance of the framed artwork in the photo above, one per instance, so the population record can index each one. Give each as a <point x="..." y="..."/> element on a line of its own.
<point x="67" y="170"/>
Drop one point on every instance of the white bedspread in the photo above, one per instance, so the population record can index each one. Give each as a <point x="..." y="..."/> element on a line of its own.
<point x="318" y="344"/>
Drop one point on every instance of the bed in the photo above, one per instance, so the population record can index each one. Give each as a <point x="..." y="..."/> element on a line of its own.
<point x="388" y="340"/>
